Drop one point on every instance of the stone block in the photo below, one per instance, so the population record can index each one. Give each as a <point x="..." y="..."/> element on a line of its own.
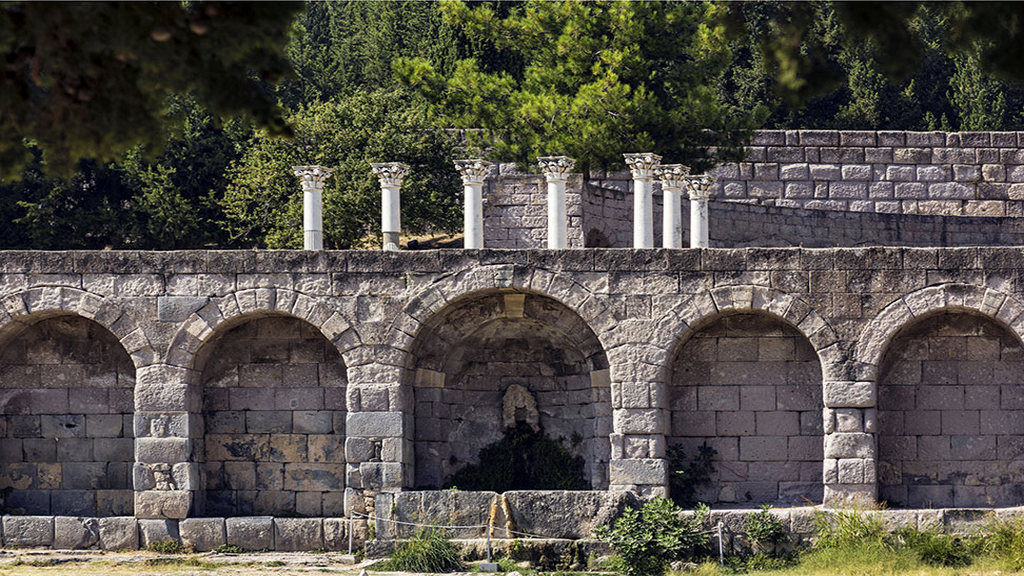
<point x="336" y="533"/>
<point x="849" y="445"/>
<point x="73" y="502"/>
<point x="849" y="394"/>
<point x="70" y="533"/>
<point x="628" y="472"/>
<point x="28" y="531"/>
<point x="312" y="421"/>
<point x="170" y="504"/>
<point x="251" y="533"/>
<point x="202" y="534"/>
<point x="763" y="448"/>
<point x="104" y="425"/>
<point x="119" y="533"/>
<point x="298" y="534"/>
<point x="268" y="422"/>
<point x="152" y="531"/>
<point x="163" y="450"/>
<point x="374" y="424"/>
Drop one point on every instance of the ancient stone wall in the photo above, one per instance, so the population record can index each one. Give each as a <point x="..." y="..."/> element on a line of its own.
<point x="749" y="386"/>
<point x="632" y="321"/>
<point x="815" y="188"/>
<point x="67" y="444"/>
<point x="274" y="412"/>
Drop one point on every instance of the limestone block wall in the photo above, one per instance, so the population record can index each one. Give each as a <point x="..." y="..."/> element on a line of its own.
<point x="631" y="320"/>
<point x="274" y="412"/>
<point x="815" y="188"/>
<point x="66" y="445"/>
<point x="951" y="414"/>
<point x="749" y="386"/>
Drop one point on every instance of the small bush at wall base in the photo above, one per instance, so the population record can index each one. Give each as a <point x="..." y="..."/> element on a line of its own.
<point x="168" y="546"/>
<point x="429" y="550"/>
<point x="650" y="538"/>
<point x="764" y="529"/>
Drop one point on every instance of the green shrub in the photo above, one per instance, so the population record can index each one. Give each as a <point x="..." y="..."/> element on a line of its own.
<point x="1004" y="539"/>
<point x="429" y="550"/>
<point x="685" y="477"/>
<point x="650" y="538"/>
<point x="842" y="528"/>
<point x="524" y="459"/>
<point x="229" y="549"/>
<point x="935" y="548"/>
<point x="167" y="546"/>
<point x="765" y="528"/>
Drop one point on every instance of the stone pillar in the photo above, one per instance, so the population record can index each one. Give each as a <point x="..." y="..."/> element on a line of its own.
<point x="168" y="430"/>
<point x="313" y="178"/>
<point x="390" y="175"/>
<point x="474" y="172"/>
<point x="699" y="188"/>
<point x="556" y="170"/>
<point x="673" y="181"/>
<point x="850" y="422"/>
<point x="642" y="166"/>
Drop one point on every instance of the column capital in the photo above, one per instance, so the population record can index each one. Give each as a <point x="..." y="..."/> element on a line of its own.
<point x="642" y="164"/>
<point x="556" y="167"/>
<point x="474" y="170"/>
<point x="313" y="175"/>
<point x="672" y="176"/>
<point x="699" y="187"/>
<point x="390" y="173"/>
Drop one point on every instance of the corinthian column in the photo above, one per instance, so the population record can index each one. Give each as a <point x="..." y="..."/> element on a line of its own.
<point x="699" y="188"/>
<point x="390" y="175"/>
<point x="474" y="172"/>
<point x="556" y="170"/>
<point x="642" y="166"/>
<point x="313" y="178"/>
<point x="672" y="177"/>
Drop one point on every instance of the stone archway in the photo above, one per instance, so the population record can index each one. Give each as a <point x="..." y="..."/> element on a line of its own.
<point x="273" y="405"/>
<point x="67" y="388"/>
<point x="951" y="413"/>
<point x="470" y="354"/>
<point x="749" y="385"/>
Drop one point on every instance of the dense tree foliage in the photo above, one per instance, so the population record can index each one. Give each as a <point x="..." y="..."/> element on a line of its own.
<point x="141" y="100"/>
<point x="592" y="80"/>
<point x="89" y="79"/>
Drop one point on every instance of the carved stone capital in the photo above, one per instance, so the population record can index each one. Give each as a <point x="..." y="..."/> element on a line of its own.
<point x="390" y="173"/>
<point x="312" y="176"/>
<point x="556" y="167"/>
<point x="699" y="187"/>
<point x="473" y="171"/>
<point x="642" y="164"/>
<point x="672" y="176"/>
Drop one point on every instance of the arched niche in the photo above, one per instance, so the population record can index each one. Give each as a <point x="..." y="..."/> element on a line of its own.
<point x="951" y="414"/>
<point x="274" y="416"/>
<point x="66" y="430"/>
<point x="467" y="358"/>
<point x="749" y="385"/>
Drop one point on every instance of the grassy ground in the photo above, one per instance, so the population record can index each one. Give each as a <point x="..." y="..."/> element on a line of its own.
<point x="26" y="563"/>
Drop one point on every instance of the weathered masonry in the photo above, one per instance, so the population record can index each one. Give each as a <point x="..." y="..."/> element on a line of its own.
<point x="829" y="375"/>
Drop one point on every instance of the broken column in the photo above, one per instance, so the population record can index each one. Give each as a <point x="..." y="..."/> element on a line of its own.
<point x="672" y="177"/>
<point x="699" y="188"/>
<point x="642" y="166"/>
<point x="390" y="175"/>
<point x="313" y="178"/>
<point x="474" y="172"/>
<point x="556" y="171"/>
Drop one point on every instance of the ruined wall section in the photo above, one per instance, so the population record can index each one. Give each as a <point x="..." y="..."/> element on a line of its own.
<point x="815" y="188"/>
<point x="638" y="306"/>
